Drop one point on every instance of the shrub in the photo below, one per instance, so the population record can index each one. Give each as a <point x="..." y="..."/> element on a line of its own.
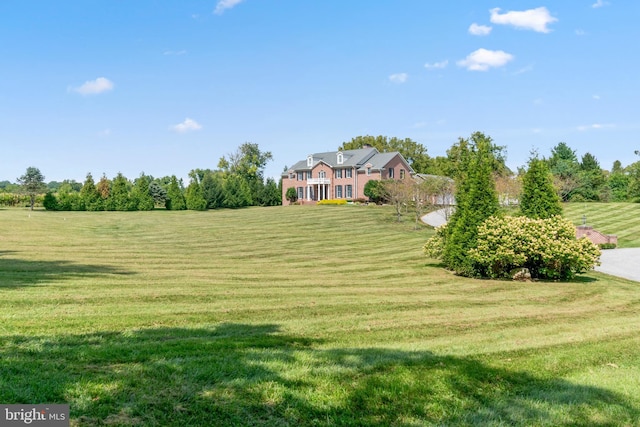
<point x="50" y="202"/>
<point x="291" y="195"/>
<point x="435" y="244"/>
<point x="547" y="247"/>
<point x="607" y="245"/>
<point x="332" y="202"/>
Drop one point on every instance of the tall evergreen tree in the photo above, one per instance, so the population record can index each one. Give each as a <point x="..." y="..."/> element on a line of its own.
<point x="140" y="195"/>
<point x="271" y="194"/>
<point x="175" y="198"/>
<point x="104" y="188"/>
<point x="158" y="193"/>
<point x="476" y="200"/>
<point x="591" y="180"/>
<point x="119" y="199"/>
<point x="237" y="193"/>
<point x="564" y="166"/>
<point x="90" y="196"/>
<point x="194" y="198"/>
<point x="213" y="189"/>
<point x="539" y="198"/>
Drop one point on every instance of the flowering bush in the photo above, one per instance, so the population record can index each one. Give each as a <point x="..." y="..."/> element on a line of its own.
<point x="547" y="247"/>
<point x="435" y="244"/>
<point x="332" y="202"/>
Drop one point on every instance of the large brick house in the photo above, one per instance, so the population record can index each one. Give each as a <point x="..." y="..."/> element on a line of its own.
<point x="342" y="174"/>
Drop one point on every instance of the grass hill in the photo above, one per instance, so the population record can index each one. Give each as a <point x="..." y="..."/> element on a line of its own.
<point x="621" y="219"/>
<point x="326" y="315"/>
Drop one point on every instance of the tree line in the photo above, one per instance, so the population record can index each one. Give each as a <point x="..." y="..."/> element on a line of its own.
<point x="576" y="179"/>
<point x="238" y="182"/>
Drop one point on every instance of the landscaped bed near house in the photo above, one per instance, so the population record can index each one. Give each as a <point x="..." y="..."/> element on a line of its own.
<point x="300" y="315"/>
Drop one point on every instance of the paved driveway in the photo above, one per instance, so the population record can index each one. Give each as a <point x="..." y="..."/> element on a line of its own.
<point x="621" y="263"/>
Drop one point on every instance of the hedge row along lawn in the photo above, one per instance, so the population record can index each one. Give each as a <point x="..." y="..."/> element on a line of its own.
<point x="321" y="315"/>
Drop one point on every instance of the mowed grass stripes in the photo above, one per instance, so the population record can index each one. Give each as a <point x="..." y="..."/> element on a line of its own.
<point x="621" y="219"/>
<point x="325" y="315"/>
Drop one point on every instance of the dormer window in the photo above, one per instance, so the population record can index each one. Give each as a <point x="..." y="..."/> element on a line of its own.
<point x="310" y="160"/>
<point x="340" y="157"/>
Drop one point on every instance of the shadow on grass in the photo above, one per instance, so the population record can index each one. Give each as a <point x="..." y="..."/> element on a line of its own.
<point x="236" y="374"/>
<point x="15" y="272"/>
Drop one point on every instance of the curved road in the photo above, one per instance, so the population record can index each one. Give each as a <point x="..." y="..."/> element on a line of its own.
<point x="623" y="263"/>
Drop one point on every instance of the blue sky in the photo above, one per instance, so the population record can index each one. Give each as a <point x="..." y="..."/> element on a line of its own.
<point x="107" y="86"/>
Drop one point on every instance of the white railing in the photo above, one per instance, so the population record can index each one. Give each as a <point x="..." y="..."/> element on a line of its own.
<point x="314" y="181"/>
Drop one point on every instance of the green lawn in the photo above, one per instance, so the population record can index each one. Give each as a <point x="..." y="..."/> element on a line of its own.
<point x="621" y="219"/>
<point x="295" y="316"/>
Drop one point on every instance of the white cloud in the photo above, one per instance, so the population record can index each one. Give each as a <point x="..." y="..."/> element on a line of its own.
<point x="187" y="125"/>
<point x="523" y="70"/>
<point x="94" y="87"/>
<point x="532" y="19"/>
<point x="437" y="65"/>
<point x="599" y="3"/>
<point x="580" y="32"/>
<point x="483" y="59"/>
<point x="479" y="30"/>
<point x="399" y="78"/>
<point x="223" y="5"/>
<point x="595" y="126"/>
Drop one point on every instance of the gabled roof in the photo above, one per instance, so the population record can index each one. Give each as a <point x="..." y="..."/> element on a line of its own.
<point x="350" y="158"/>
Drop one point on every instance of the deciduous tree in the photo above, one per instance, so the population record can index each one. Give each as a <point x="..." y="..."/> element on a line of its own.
<point x="32" y="183"/>
<point x="413" y="152"/>
<point x="248" y="162"/>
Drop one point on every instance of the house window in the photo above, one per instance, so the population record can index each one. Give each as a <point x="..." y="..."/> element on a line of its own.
<point x="308" y="174"/>
<point x="338" y="191"/>
<point x="368" y="171"/>
<point x="401" y="173"/>
<point x="300" y="176"/>
<point x="322" y="174"/>
<point x="300" y="193"/>
<point x="348" y="173"/>
<point x="338" y="173"/>
<point x="348" y="191"/>
<point x="340" y="157"/>
<point x="390" y="173"/>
